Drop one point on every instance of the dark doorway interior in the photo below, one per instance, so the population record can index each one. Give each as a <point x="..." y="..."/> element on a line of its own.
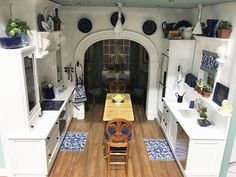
<point x="108" y="59"/>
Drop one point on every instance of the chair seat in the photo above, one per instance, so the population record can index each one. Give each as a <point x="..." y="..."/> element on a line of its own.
<point x="112" y="131"/>
<point x="137" y="92"/>
<point x="97" y="91"/>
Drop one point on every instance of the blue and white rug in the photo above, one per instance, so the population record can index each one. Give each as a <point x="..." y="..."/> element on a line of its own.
<point x="158" y="149"/>
<point x="74" y="141"/>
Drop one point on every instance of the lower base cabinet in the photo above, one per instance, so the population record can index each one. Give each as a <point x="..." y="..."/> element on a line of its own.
<point x="35" y="157"/>
<point x="202" y="157"/>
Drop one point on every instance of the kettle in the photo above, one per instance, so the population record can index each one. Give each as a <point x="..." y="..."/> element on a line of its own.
<point x="187" y="32"/>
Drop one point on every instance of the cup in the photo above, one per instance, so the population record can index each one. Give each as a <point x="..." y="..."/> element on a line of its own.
<point x="179" y="98"/>
<point x="191" y="104"/>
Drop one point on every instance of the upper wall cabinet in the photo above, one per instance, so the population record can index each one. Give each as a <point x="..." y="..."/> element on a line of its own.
<point x="20" y="94"/>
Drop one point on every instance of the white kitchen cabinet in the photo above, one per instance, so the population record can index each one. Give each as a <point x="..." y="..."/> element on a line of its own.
<point x="20" y="93"/>
<point x="169" y="126"/>
<point x="174" y="53"/>
<point x="35" y="156"/>
<point x="198" y="150"/>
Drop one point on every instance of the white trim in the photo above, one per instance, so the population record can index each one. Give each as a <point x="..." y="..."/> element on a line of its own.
<point x="3" y="172"/>
<point x="151" y="102"/>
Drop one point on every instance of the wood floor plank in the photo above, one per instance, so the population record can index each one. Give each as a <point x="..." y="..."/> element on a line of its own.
<point x="91" y="162"/>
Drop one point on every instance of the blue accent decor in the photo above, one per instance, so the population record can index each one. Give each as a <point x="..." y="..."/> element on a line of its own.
<point x="74" y="141"/>
<point x="52" y="105"/>
<point x="158" y="149"/>
<point x="209" y="63"/>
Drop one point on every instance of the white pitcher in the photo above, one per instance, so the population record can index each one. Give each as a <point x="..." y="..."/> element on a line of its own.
<point x="187" y="33"/>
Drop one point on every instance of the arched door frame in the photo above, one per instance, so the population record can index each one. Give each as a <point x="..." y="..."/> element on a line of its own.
<point x="151" y="99"/>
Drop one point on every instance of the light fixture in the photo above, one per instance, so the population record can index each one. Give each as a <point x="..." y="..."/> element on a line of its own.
<point x="198" y="27"/>
<point x="119" y="27"/>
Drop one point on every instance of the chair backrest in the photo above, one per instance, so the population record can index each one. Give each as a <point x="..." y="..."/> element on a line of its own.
<point x="117" y="86"/>
<point x="118" y="130"/>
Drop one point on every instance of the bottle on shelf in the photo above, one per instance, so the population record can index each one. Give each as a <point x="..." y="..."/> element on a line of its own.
<point x="57" y="21"/>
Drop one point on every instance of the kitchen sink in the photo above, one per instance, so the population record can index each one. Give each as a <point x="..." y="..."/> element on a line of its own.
<point x="188" y="113"/>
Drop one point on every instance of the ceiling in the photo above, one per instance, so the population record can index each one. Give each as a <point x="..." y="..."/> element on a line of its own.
<point x="140" y="3"/>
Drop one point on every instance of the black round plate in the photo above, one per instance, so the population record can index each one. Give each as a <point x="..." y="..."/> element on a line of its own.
<point x="84" y="25"/>
<point x="114" y="18"/>
<point x="39" y="21"/>
<point x="182" y="23"/>
<point x="149" y="27"/>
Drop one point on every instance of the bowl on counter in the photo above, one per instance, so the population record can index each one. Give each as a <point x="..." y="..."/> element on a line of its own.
<point x="118" y="98"/>
<point x="10" y="42"/>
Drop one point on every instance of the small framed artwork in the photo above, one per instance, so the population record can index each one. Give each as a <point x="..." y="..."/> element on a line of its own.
<point x="221" y="93"/>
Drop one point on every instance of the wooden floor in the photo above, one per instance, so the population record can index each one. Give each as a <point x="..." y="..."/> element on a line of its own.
<point x="90" y="162"/>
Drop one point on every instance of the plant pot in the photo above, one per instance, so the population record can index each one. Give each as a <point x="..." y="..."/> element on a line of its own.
<point x="202" y="123"/>
<point x="198" y="89"/>
<point x="224" y="33"/>
<point x="206" y="94"/>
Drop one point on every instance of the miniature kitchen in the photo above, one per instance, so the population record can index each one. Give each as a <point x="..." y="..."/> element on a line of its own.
<point x="189" y="91"/>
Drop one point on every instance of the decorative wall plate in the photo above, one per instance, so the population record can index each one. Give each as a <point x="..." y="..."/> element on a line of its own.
<point x="149" y="27"/>
<point x="84" y="25"/>
<point x="114" y="18"/>
<point x="40" y="19"/>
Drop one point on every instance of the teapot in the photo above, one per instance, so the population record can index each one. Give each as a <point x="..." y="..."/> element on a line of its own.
<point x="186" y="33"/>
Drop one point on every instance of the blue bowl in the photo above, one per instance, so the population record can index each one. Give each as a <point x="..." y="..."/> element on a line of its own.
<point x="10" y="42"/>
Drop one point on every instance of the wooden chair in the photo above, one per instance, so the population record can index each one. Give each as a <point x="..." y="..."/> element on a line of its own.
<point x="117" y="86"/>
<point x="116" y="141"/>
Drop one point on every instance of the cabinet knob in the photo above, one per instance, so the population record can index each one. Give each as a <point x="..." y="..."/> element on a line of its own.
<point x="48" y="138"/>
<point x="57" y="138"/>
<point x="167" y="111"/>
<point x="32" y="126"/>
<point x="167" y="50"/>
<point x="165" y="124"/>
<point x="69" y="101"/>
<point x="50" y="155"/>
<point x="164" y="106"/>
<point x="56" y="122"/>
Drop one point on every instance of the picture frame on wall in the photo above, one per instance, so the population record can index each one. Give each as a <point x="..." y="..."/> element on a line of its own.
<point x="221" y="93"/>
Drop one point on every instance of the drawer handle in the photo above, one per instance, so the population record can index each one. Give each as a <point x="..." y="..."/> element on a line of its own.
<point x="48" y="138"/>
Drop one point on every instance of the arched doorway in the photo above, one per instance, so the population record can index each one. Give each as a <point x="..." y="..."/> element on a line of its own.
<point x="151" y="98"/>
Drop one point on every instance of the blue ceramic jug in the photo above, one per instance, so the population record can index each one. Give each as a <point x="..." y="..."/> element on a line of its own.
<point x="211" y="27"/>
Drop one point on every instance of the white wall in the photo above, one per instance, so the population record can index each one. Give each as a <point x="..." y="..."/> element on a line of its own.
<point x="224" y="11"/>
<point x="4" y="16"/>
<point x="100" y="18"/>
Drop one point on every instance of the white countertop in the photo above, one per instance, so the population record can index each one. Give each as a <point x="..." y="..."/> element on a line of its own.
<point x="46" y="121"/>
<point x="190" y="125"/>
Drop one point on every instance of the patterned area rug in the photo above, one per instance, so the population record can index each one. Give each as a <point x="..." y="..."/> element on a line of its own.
<point x="74" y="141"/>
<point x="158" y="149"/>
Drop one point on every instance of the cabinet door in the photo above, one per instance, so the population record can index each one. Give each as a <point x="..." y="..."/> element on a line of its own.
<point x="172" y="131"/>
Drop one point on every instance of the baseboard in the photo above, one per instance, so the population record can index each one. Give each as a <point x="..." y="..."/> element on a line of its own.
<point x="3" y="172"/>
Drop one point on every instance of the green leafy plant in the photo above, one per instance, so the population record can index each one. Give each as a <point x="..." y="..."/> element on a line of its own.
<point x="15" y="27"/>
<point x="224" y="25"/>
<point x="207" y="88"/>
<point x="200" y="83"/>
<point x="203" y="114"/>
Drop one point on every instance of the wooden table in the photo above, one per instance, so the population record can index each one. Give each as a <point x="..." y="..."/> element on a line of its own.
<point x="123" y="110"/>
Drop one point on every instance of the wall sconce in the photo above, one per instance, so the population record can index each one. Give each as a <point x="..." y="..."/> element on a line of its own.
<point x="119" y="27"/>
<point x="198" y="27"/>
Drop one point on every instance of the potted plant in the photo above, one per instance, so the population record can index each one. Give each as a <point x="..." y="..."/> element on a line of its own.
<point x="203" y="122"/>
<point x="224" y="29"/>
<point x="16" y="31"/>
<point x="199" y="86"/>
<point x="206" y="90"/>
